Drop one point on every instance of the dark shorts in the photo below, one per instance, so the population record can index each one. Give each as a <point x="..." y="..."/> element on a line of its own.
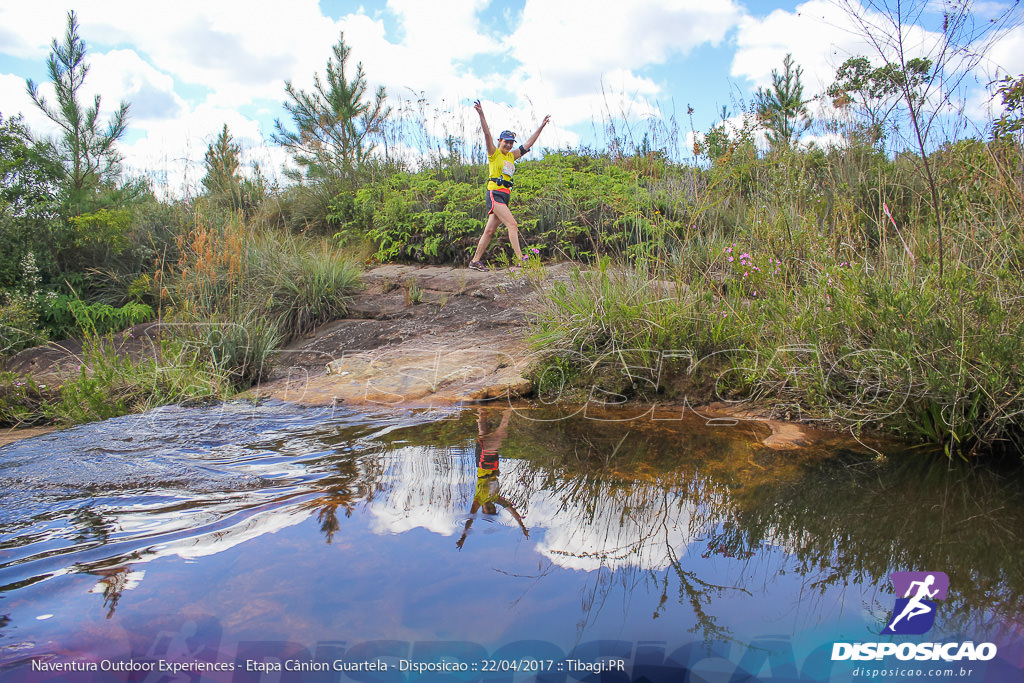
<point x="496" y="196"/>
<point x="486" y="459"/>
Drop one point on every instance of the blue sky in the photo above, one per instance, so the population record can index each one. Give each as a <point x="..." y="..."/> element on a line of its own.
<point x="190" y="67"/>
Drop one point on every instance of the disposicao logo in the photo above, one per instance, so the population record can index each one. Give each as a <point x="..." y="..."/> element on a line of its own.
<point x="914" y="615"/>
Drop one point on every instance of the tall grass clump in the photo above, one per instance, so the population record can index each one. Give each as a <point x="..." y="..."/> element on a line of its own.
<point x="239" y="292"/>
<point x="813" y="286"/>
<point x="234" y="294"/>
<point x="112" y="380"/>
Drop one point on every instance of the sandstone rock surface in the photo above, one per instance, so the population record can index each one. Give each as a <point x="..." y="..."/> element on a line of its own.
<point x="417" y="336"/>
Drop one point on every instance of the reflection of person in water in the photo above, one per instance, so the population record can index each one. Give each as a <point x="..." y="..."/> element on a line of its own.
<point x="488" y="495"/>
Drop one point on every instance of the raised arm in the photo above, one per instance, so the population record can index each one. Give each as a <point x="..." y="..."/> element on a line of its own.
<point x="487" y="131"/>
<point x="524" y="148"/>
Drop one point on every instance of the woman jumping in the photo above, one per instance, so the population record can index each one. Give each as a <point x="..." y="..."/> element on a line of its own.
<point x="501" y="164"/>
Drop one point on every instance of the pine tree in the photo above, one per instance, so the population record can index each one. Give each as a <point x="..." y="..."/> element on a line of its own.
<point x="28" y="209"/>
<point x="336" y="126"/>
<point x="782" y="109"/>
<point x="222" y="161"/>
<point x="85" y="153"/>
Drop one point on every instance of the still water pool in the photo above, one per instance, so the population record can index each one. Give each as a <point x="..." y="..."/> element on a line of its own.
<point x="244" y="543"/>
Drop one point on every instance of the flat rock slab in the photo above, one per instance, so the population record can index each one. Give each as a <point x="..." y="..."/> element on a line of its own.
<point x="408" y="375"/>
<point x="418" y="336"/>
<point x="11" y="435"/>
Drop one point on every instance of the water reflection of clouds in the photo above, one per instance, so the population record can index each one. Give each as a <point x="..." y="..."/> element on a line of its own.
<point x="358" y="521"/>
<point x="648" y="532"/>
<point x="642" y="526"/>
<point x="226" y="536"/>
<point x="422" y="487"/>
<point x="575" y="521"/>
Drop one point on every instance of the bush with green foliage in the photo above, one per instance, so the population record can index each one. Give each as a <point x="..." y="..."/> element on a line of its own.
<point x="567" y="205"/>
<point x="29" y="207"/>
<point x="68" y="317"/>
<point x="20" y="310"/>
<point x="19" y="324"/>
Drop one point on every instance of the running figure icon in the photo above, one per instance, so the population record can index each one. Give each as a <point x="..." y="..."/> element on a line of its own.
<point x="916" y="603"/>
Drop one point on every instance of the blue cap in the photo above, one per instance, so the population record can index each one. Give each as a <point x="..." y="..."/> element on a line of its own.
<point x="507" y="135"/>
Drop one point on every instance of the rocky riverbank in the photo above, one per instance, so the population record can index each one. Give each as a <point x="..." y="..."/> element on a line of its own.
<point x="414" y="337"/>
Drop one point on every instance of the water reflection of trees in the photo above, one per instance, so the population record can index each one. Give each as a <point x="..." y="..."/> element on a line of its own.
<point x="614" y="502"/>
<point x="113" y="583"/>
<point x="637" y="502"/>
<point x="851" y="519"/>
<point x="632" y="499"/>
<point x="93" y="526"/>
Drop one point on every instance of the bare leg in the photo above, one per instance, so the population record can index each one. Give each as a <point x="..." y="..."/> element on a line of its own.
<point x="505" y="215"/>
<point x="485" y="239"/>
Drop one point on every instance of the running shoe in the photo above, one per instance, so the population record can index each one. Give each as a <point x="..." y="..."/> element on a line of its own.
<point x="478" y="265"/>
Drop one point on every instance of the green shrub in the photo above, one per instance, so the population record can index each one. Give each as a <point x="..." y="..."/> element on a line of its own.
<point x="110" y="383"/>
<point x="23" y="401"/>
<point x="19" y="323"/>
<point x="799" y="289"/>
<point x="70" y="317"/>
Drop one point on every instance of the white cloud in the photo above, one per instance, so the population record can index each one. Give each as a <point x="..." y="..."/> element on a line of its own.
<point x="169" y="135"/>
<point x="438" y="40"/>
<point x="619" y="94"/>
<point x="172" y="151"/>
<point x="819" y="35"/>
<point x="446" y="30"/>
<point x="579" y="39"/>
<point x="213" y="59"/>
<point x="431" y="63"/>
<point x="1005" y="57"/>
<point x="122" y="75"/>
<point x="189" y="67"/>
<point x="580" y="61"/>
<point x="823" y="140"/>
<point x="428" y="127"/>
<point x="245" y="49"/>
<point x="27" y="28"/>
<point x="15" y="100"/>
<point x="238" y="53"/>
<point x="1007" y="54"/>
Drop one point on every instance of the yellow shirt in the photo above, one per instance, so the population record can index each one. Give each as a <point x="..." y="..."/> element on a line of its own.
<point x="500" y="165"/>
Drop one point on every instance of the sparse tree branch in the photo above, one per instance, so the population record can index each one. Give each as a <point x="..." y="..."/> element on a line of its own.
<point x="930" y="48"/>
